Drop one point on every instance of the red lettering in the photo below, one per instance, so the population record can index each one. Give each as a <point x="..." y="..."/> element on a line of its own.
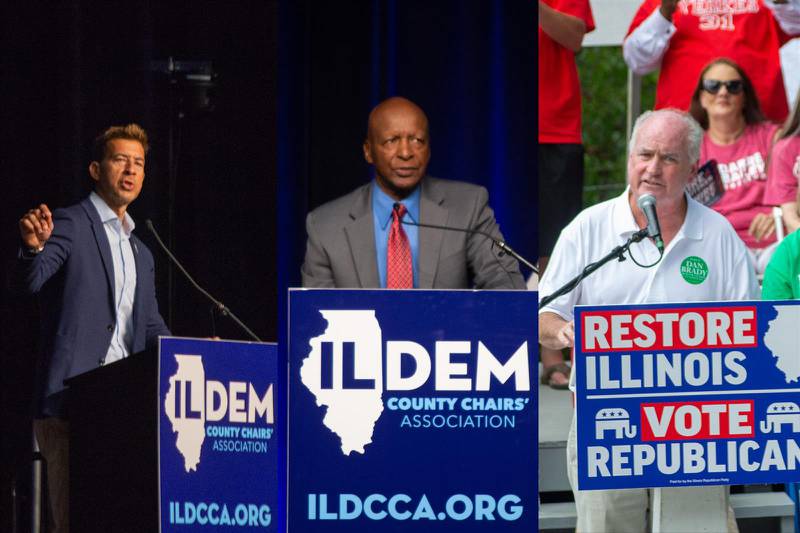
<point x="662" y="329"/>
<point x="731" y="419"/>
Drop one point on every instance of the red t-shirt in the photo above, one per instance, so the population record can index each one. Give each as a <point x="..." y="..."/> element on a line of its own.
<point x="784" y="171"/>
<point x="743" y="30"/>
<point x="743" y="169"/>
<point x="559" y="87"/>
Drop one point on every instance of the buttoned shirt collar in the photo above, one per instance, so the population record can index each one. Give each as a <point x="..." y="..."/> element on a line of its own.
<point x="625" y="224"/>
<point x="108" y="215"/>
<point x="383" y="204"/>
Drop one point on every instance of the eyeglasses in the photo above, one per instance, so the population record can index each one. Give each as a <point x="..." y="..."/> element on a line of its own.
<point x="713" y="86"/>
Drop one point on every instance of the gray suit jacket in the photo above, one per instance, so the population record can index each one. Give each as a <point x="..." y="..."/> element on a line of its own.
<point x="340" y="251"/>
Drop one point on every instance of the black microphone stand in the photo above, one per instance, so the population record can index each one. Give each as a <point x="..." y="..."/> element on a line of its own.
<point x="617" y="253"/>
<point x="219" y="306"/>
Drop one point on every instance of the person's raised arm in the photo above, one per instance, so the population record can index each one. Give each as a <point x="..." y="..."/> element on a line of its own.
<point x="646" y="44"/>
<point x="35" y="228"/>
<point x="787" y="14"/>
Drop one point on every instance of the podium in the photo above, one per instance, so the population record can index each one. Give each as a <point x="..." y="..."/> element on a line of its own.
<point x="113" y="454"/>
<point x="181" y="436"/>
<point x="412" y="410"/>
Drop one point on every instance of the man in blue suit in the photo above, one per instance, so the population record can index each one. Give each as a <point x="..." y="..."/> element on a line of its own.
<point x="96" y="285"/>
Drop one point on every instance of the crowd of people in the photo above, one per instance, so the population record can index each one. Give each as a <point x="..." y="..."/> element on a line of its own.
<point x="720" y="104"/>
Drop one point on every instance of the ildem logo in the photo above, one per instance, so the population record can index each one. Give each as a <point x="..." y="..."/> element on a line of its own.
<point x="349" y="368"/>
<point x="241" y="415"/>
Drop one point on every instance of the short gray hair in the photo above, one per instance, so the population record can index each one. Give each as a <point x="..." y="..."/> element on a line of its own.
<point x="694" y="133"/>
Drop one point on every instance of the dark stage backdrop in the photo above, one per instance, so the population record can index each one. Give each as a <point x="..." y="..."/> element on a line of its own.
<point x="470" y="64"/>
<point x="72" y="68"/>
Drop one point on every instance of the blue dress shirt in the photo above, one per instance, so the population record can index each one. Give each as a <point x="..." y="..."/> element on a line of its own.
<point x="382" y="206"/>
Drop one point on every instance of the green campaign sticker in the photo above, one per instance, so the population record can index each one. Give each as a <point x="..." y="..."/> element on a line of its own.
<point x="694" y="270"/>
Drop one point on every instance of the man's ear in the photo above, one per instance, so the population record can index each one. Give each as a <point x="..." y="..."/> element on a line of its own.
<point x="94" y="170"/>
<point x="367" y="152"/>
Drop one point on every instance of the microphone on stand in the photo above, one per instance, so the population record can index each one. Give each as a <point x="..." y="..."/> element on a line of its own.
<point x="221" y="307"/>
<point x="647" y="203"/>
<point x="504" y="247"/>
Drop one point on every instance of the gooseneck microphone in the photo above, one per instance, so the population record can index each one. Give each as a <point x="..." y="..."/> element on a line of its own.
<point x="647" y="203"/>
<point x="504" y="247"/>
<point x="221" y="307"/>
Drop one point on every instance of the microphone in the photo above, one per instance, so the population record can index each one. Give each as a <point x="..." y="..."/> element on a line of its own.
<point x="647" y="203"/>
<point x="221" y="307"/>
<point x="500" y="244"/>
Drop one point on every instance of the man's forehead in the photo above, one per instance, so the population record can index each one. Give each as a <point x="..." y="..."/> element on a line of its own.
<point x="661" y="135"/>
<point x="397" y="116"/>
<point x="401" y="128"/>
<point x="124" y="146"/>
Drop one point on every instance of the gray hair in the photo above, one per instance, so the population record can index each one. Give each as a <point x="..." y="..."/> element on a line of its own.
<point x="694" y="133"/>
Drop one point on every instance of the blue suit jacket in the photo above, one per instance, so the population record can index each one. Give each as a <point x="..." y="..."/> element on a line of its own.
<point x="74" y="276"/>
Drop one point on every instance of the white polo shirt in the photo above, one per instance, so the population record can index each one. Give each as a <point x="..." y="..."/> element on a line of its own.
<point x="705" y="261"/>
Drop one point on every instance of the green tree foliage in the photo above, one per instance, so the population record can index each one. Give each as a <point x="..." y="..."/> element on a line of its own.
<point x="604" y="83"/>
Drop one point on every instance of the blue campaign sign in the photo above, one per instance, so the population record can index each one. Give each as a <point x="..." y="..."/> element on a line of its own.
<point x="217" y="445"/>
<point x="412" y="411"/>
<point x="674" y="395"/>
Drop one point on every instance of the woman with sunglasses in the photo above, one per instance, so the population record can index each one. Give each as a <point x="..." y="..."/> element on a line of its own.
<point x="784" y="169"/>
<point x="739" y="139"/>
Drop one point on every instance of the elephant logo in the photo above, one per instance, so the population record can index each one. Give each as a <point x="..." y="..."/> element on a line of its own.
<point x="780" y="413"/>
<point x="613" y="419"/>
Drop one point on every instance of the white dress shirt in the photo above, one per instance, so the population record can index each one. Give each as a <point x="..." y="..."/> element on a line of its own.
<point x="119" y="235"/>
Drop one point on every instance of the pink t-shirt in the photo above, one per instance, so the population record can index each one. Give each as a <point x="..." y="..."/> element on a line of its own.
<point x="784" y="171"/>
<point x="743" y="169"/>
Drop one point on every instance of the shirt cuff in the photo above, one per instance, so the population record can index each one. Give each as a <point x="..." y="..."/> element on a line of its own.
<point x="657" y="25"/>
<point x="29" y="253"/>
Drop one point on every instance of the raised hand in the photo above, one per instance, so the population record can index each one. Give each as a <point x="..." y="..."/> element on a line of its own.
<point x="668" y="8"/>
<point x="35" y="227"/>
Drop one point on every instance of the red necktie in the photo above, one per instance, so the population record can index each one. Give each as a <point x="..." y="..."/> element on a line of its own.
<point x="399" y="273"/>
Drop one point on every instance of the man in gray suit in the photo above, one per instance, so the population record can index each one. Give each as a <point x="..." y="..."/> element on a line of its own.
<point x="366" y="239"/>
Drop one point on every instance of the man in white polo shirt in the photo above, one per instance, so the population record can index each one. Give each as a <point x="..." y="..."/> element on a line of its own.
<point x="703" y="260"/>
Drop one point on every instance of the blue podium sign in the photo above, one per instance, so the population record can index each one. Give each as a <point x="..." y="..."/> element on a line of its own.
<point x="217" y="444"/>
<point x="412" y="411"/>
<point x="697" y="394"/>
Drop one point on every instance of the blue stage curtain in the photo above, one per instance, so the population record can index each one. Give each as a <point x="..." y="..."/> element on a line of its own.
<point x="469" y="64"/>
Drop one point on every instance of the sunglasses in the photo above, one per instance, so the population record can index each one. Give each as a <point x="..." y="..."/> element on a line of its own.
<point x="713" y="86"/>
